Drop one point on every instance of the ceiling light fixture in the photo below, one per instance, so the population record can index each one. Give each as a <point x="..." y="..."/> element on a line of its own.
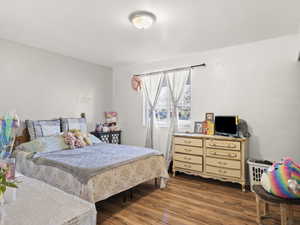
<point x="142" y="19"/>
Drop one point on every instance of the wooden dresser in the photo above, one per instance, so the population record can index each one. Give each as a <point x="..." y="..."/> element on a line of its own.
<point x="211" y="156"/>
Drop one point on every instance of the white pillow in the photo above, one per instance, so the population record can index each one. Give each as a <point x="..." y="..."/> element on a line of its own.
<point x="44" y="144"/>
<point x="94" y="139"/>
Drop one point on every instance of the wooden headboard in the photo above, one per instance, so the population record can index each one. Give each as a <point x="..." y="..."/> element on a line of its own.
<point x="25" y="137"/>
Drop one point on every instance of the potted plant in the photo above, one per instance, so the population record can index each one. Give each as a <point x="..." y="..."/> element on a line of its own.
<point x="4" y="183"/>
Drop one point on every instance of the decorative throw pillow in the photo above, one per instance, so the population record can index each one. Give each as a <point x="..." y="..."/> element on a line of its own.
<point x="31" y="146"/>
<point x="69" y="124"/>
<point x="42" y="128"/>
<point x="44" y="144"/>
<point x="94" y="139"/>
<point x="53" y="143"/>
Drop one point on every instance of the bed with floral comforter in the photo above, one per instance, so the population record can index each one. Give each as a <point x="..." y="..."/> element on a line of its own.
<point x="96" y="172"/>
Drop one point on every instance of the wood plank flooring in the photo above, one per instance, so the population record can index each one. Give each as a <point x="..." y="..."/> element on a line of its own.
<point x="187" y="200"/>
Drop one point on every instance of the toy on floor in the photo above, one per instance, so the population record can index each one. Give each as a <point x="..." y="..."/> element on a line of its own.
<point x="283" y="179"/>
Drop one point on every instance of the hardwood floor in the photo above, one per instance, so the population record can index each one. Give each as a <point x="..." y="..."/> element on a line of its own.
<point x="187" y="200"/>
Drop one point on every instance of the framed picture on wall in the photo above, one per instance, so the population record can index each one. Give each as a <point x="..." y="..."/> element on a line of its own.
<point x="210" y="116"/>
<point x="198" y="127"/>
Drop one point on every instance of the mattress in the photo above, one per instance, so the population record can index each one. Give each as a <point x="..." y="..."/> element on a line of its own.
<point x="48" y="206"/>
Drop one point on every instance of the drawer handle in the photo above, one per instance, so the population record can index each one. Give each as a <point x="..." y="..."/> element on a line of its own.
<point x="187" y="166"/>
<point x="222" y="171"/>
<point x="187" y="158"/>
<point x="187" y="142"/>
<point x="222" y="163"/>
<point x="231" y="155"/>
<point x="223" y="146"/>
<point x="187" y="150"/>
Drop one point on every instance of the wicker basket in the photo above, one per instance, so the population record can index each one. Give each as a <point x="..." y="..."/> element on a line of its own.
<point x="256" y="169"/>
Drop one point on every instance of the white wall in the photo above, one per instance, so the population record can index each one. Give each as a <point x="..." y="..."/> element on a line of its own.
<point x="258" y="81"/>
<point x="42" y="85"/>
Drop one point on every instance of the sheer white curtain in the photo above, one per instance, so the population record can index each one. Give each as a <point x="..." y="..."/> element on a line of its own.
<point x="176" y="81"/>
<point x="151" y="86"/>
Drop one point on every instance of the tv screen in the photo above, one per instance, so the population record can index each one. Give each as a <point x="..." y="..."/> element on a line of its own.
<point x="226" y="125"/>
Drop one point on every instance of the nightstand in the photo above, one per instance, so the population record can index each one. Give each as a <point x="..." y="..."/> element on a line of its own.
<point x="113" y="137"/>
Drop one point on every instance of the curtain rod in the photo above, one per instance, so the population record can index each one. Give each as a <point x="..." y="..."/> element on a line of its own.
<point x="181" y="68"/>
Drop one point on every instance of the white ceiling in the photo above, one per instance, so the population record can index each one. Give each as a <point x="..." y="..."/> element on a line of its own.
<point x="99" y="31"/>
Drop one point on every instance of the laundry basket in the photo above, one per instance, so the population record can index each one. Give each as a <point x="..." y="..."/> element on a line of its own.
<point x="256" y="169"/>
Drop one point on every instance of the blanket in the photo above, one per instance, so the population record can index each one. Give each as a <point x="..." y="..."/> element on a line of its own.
<point x="84" y="163"/>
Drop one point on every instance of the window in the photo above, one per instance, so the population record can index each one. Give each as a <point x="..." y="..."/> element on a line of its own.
<point x="184" y="106"/>
<point x="163" y="110"/>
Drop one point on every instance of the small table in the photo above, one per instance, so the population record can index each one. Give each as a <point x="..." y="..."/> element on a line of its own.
<point x="264" y="198"/>
<point x="38" y="203"/>
<point x="113" y="137"/>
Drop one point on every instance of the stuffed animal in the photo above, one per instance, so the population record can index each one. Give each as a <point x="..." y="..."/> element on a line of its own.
<point x="76" y="139"/>
<point x="98" y="127"/>
<point x="294" y="186"/>
<point x="70" y="139"/>
<point x="283" y="179"/>
<point x="79" y="142"/>
<point x="87" y="140"/>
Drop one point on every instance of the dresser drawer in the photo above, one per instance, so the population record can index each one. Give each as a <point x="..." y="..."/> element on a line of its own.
<point x="223" y="172"/>
<point x="189" y="166"/>
<point x="188" y="141"/>
<point x="188" y="158"/>
<point x="225" y="163"/>
<point x="226" y="154"/>
<point x="231" y="145"/>
<point x="188" y="149"/>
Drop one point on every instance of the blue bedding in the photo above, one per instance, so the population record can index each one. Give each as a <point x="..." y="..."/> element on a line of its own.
<point x="84" y="163"/>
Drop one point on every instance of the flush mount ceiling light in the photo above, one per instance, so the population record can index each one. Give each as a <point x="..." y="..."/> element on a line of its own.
<point x="142" y="19"/>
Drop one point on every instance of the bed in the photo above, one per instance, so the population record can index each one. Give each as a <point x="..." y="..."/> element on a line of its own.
<point x="95" y="172"/>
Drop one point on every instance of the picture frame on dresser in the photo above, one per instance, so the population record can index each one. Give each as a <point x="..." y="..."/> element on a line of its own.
<point x="198" y="127"/>
<point x="209" y="116"/>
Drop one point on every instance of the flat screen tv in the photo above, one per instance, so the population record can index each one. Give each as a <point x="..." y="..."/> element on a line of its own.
<point x="226" y="125"/>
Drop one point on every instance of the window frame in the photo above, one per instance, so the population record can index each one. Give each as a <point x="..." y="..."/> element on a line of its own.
<point x="182" y="124"/>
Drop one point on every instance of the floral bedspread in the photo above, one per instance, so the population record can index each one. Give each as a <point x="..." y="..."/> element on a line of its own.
<point x="85" y="163"/>
<point x="101" y="186"/>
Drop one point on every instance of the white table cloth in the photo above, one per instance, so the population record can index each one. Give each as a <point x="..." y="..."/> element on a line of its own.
<point x="38" y="203"/>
